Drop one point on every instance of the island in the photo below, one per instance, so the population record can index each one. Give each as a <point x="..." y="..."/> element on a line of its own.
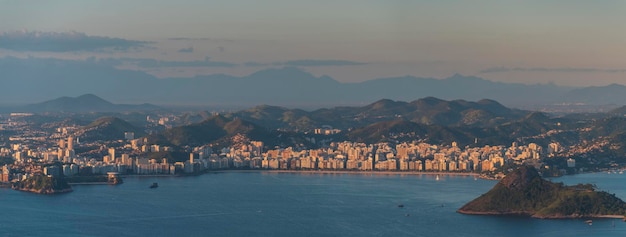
<point x="524" y="192"/>
<point x="43" y="184"/>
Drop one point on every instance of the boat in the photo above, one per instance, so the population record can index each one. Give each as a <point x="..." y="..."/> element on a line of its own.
<point x="154" y="185"/>
<point x="589" y="222"/>
<point x="401" y="205"/>
<point x="437" y="178"/>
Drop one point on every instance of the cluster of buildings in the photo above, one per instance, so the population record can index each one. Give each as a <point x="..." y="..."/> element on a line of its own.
<point x="387" y="157"/>
<point x="132" y="157"/>
<point x="137" y="156"/>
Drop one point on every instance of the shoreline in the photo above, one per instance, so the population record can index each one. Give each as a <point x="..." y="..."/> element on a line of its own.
<point x="303" y="172"/>
<point x="447" y="173"/>
<point x="526" y="214"/>
<point x="349" y="172"/>
<point x="610" y="217"/>
<point x="45" y="191"/>
<point x="356" y="172"/>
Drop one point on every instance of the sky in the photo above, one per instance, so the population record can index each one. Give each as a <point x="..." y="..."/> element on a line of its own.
<point x="566" y="42"/>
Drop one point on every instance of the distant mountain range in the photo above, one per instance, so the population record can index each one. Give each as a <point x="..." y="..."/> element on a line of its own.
<point x="428" y="111"/>
<point x="428" y="119"/>
<point x="82" y="104"/>
<point x="35" y="79"/>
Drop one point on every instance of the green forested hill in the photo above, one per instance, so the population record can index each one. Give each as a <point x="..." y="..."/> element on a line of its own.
<point x="524" y="192"/>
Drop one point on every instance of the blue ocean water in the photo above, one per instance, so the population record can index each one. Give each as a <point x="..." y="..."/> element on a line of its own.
<point x="284" y="204"/>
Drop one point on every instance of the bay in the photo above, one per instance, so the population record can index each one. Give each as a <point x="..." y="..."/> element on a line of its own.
<point x="285" y="204"/>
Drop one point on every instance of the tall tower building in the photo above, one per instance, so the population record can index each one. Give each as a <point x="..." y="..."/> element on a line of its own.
<point x="6" y="174"/>
<point x="112" y="154"/>
<point x="70" y="143"/>
<point x="192" y="157"/>
<point x="125" y="159"/>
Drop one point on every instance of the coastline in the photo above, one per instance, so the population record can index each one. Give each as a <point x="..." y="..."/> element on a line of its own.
<point x="477" y="175"/>
<point x="308" y="172"/>
<point x="610" y="217"/>
<point x="553" y="217"/>
<point x="349" y="172"/>
<point x="45" y="191"/>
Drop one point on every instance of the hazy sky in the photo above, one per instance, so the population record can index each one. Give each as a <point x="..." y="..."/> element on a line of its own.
<point x="567" y="42"/>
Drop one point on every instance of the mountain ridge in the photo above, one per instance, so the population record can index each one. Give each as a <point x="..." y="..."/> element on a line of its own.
<point x="107" y="128"/>
<point x="429" y="110"/>
<point x="216" y="128"/>
<point x="83" y="103"/>
<point x="287" y="86"/>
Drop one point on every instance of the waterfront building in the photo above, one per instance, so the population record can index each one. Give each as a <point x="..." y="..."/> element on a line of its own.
<point x="571" y="163"/>
<point x="111" y="154"/>
<point x="6" y="174"/>
<point x="70" y="143"/>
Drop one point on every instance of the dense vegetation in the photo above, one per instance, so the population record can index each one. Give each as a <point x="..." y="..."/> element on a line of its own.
<point x="524" y="192"/>
<point x="43" y="184"/>
<point x="216" y="129"/>
<point x="4" y="160"/>
<point x="428" y="111"/>
<point x="108" y="128"/>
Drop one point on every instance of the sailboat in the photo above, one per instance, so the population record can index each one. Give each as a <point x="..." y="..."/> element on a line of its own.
<point x="437" y="177"/>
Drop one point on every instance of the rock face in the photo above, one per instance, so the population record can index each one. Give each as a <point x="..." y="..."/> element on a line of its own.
<point x="43" y="185"/>
<point x="524" y="192"/>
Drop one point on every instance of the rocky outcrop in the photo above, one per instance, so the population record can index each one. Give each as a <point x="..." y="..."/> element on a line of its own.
<point x="524" y="192"/>
<point x="43" y="185"/>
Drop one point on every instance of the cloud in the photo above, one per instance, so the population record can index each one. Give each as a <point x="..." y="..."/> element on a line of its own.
<point x="154" y="63"/>
<point x="542" y="69"/>
<point x="255" y="64"/>
<point x="63" y="42"/>
<point x="186" y="50"/>
<point x="199" y="39"/>
<point x="306" y="63"/>
<point x="315" y="63"/>
<point x="185" y="38"/>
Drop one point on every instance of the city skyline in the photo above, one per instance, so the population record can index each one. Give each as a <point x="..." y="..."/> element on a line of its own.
<point x="571" y="43"/>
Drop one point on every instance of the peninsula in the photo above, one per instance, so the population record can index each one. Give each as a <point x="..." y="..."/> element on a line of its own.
<point x="524" y="192"/>
<point x="43" y="185"/>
